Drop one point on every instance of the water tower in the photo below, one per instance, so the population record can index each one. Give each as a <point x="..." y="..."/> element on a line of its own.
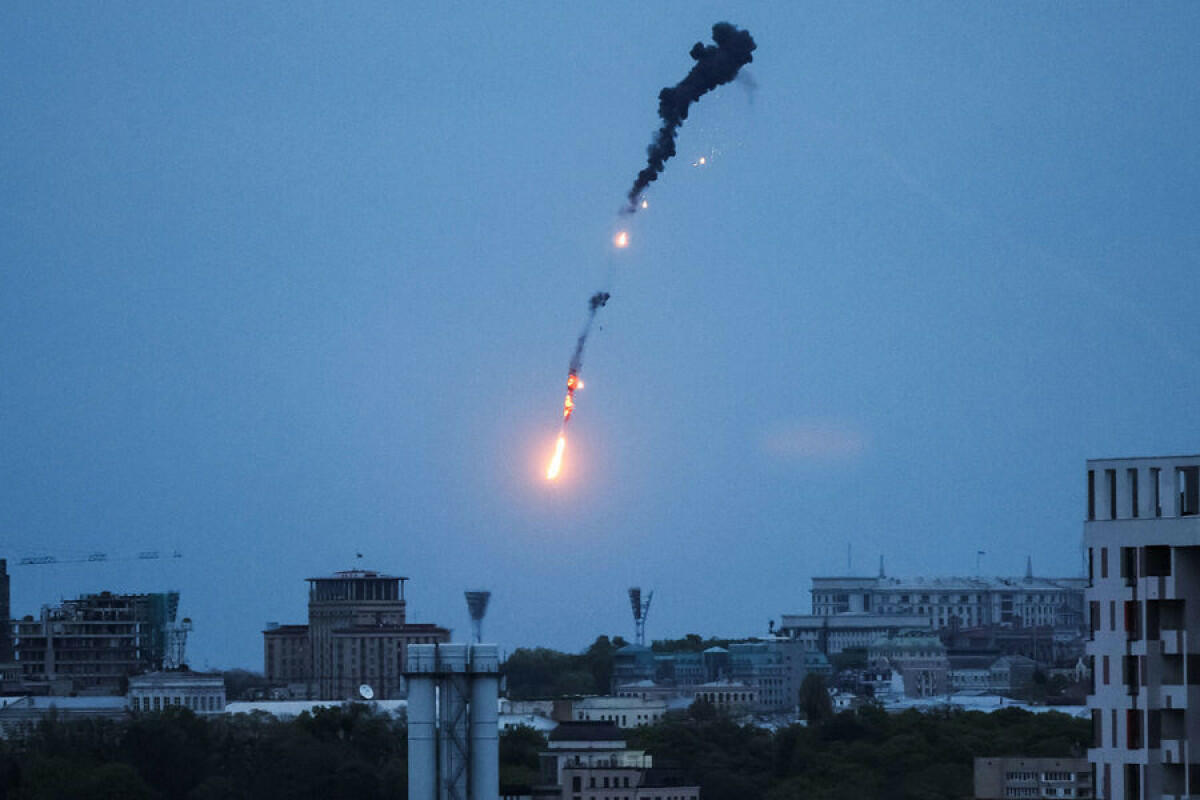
<point x="477" y="603"/>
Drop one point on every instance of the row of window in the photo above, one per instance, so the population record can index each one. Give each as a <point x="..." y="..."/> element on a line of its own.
<point x="1187" y="489"/>
<point x="194" y="702"/>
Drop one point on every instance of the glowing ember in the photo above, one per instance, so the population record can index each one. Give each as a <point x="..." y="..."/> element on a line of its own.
<point x="621" y="239"/>
<point x="556" y="461"/>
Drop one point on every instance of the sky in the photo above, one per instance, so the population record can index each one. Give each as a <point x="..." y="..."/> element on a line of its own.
<point x="285" y="284"/>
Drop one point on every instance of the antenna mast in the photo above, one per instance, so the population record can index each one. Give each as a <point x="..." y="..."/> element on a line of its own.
<point x="641" y="608"/>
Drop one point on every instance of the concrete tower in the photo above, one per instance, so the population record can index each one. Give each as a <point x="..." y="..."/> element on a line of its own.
<point x="453" y="733"/>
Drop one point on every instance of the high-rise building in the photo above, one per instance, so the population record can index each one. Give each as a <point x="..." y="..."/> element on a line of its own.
<point x="94" y="643"/>
<point x="356" y="636"/>
<point x="1142" y="536"/>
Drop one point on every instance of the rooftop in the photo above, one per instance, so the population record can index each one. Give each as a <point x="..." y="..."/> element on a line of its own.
<point x="357" y="574"/>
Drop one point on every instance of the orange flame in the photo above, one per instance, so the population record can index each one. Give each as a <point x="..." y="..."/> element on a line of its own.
<point x="556" y="462"/>
<point x="621" y="239"/>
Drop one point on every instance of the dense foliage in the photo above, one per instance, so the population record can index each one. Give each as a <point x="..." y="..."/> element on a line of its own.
<point x="867" y="753"/>
<point x="346" y="752"/>
<point x="542" y="673"/>
<point x="341" y="752"/>
<point x="354" y="752"/>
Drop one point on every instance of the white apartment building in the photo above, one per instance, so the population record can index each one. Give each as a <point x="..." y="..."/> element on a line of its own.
<point x="1142" y="536"/>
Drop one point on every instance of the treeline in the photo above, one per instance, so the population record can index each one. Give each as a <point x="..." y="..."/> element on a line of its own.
<point x="350" y="752"/>
<point x="543" y="673"/>
<point x="540" y="672"/>
<point x="867" y="754"/>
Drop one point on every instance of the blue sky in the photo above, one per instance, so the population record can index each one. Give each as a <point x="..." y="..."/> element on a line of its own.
<point x="284" y="284"/>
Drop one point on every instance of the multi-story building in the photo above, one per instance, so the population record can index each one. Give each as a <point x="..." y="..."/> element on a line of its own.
<point x="1142" y="536"/>
<point x="92" y="644"/>
<point x="955" y="601"/>
<point x="589" y="761"/>
<point x="1005" y="778"/>
<point x="832" y="633"/>
<point x="920" y="659"/>
<point x="357" y="635"/>
<point x="775" y="669"/>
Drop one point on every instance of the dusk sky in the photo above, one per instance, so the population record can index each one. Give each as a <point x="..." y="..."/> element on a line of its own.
<point x="286" y="284"/>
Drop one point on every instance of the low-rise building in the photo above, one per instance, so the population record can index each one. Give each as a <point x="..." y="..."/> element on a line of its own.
<point x="202" y="692"/>
<point x="1005" y="778"/>
<point x="624" y="712"/>
<point x="589" y="761"/>
<point x="18" y="714"/>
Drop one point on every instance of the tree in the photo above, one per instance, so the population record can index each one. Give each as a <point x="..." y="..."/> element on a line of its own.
<point x="814" y="699"/>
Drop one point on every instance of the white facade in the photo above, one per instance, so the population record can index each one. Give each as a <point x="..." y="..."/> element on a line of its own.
<point x="203" y="693"/>
<point x="1142" y="536"/>
<point x="625" y="712"/>
<point x="963" y="601"/>
<point x="831" y="634"/>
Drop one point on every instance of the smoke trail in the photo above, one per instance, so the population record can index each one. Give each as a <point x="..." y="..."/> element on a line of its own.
<point x="714" y="66"/>
<point x="595" y="303"/>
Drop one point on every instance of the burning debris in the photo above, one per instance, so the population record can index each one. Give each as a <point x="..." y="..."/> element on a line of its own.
<point x="595" y="303"/>
<point x="715" y="65"/>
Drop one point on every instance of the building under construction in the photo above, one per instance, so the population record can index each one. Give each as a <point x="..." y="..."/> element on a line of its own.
<point x="93" y="644"/>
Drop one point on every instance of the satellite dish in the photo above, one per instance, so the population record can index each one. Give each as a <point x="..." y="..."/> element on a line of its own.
<point x="366" y="692"/>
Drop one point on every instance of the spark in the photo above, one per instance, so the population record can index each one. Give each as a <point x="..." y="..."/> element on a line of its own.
<point x="621" y="239"/>
<point x="556" y="461"/>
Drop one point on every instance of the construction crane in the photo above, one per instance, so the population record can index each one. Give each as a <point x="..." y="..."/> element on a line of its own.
<point x="95" y="558"/>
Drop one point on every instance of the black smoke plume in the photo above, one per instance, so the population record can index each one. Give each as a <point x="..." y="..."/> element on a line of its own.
<point x="595" y="303"/>
<point x="715" y="65"/>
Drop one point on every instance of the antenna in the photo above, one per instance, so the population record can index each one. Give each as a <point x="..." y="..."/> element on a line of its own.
<point x="641" y="608"/>
<point x="477" y="603"/>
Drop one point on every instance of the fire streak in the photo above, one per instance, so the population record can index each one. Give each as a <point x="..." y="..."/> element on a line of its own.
<point x="621" y="239"/>
<point x="556" y="462"/>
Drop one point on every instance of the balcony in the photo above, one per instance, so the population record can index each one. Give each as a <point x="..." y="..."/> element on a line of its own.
<point x="1174" y="751"/>
<point x="1174" y="642"/>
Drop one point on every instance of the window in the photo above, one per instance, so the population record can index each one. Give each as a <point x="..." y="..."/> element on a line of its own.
<point x="1133" y="492"/>
<point x="1110" y="480"/>
<point x="1155" y="478"/>
<point x="1188" y="481"/>
<point x="1091" y="509"/>
<point x="1103" y="562"/>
